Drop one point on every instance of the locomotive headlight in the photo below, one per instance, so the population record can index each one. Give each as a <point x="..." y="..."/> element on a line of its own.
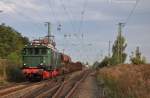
<point x="24" y="64"/>
<point x="41" y="64"/>
<point x="43" y="61"/>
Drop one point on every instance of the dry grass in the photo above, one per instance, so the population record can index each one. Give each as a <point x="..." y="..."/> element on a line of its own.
<point x="127" y="81"/>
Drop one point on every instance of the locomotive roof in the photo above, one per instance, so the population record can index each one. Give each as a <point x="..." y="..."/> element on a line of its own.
<point x="41" y="46"/>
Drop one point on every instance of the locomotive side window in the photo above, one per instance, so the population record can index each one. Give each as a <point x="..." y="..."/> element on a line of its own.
<point x="36" y="51"/>
<point x="24" y="52"/>
<point x="43" y="51"/>
<point x="30" y="51"/>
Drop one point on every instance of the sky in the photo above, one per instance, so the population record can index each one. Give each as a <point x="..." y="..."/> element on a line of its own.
<point x="88" y="24"/>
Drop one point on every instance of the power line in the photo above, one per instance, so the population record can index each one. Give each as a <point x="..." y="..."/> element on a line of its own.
<point x="54" y="15"/>
<point x="67" y="13"/>
<point x="132" y="11"/>
<point x="82" y="14"/>
<point x="81" y="21"/>
<point x="21" y="14"/>
<point x="51" y="8"/>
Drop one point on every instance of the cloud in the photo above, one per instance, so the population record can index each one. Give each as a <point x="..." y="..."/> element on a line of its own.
<point x="99" y="22"/>
<point x="9" y="8"/>
<point x="64" y="10"/>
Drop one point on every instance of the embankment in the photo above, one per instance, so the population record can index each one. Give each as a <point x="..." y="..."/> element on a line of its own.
<point x="126" y="81"/>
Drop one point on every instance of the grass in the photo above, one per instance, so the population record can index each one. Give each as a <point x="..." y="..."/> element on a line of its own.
<point x="126" y="81"/>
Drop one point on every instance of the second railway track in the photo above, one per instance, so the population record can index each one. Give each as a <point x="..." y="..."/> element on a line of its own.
<point x="19" y="90"/>
<point x="68" y="88"/>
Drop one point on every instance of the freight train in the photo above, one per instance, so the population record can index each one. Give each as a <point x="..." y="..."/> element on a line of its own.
<point x="41" y="60"/>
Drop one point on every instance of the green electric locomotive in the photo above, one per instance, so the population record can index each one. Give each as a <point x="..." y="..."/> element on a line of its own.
<point x="41" y="60"/>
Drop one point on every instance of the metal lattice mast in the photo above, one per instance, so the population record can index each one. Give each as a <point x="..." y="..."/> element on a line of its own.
<point x="49" y="31"/>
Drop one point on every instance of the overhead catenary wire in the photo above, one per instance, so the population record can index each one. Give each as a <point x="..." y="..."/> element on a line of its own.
<point x="131" y="12"/>
<point x="54" y="13"/>
<point x="21" y="14"/>
<point x="70" y="17"/>
<point x="85" y="3"/>
<point x="51" y="11"/>
<point x="83" y="14"/>
<point x="67" y="14"/>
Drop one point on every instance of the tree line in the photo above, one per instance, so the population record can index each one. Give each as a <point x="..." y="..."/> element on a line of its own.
<point x="11" y="43"/>
<point x="119" y="56"/>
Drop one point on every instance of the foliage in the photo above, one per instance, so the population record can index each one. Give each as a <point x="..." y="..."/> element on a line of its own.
<point x="10" y="71"/>
<point x="87" y="63"/>
<point x="11" y="43"/>
<point x="95" y="64"/>
<point x="136" y="57"/>
<point x="14" y="74"/>
<point x="118" y="54"/>
<point x="15" y="58"/>
<point x="105" y="62"/>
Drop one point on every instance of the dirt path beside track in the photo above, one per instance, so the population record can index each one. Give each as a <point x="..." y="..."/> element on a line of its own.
<point x="89" y="88"/>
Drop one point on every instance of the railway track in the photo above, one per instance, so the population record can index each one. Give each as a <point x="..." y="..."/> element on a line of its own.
<point x="12" y="85"/>
<point x="60" y="88"/>
<point x="68" y="88"/>
<point x="73" y="90"/>
<point x="19" y="90"/>
<point x="64" y="89"/>
<point x="54" y="88"/>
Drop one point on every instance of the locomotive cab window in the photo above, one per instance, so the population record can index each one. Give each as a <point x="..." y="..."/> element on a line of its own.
<point x="36" y="51"/>
<point x="30" y="51"/>
<point x="43" y="51"/>
<point x="24" y="51"/>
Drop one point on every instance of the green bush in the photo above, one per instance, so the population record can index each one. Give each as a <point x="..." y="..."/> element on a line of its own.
<point x="14" y="74"/>
<point x="14" y="58"/>
<point x="10" y="72"/>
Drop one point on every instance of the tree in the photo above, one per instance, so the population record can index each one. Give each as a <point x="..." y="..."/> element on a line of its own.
<point x="118" y="54"/>
<point x="105" y="62"/>
<point x="11" y="43"/>
<point x="136" y="57"/>
<point x="95" y="64"/>
<point x="87" y="63"/>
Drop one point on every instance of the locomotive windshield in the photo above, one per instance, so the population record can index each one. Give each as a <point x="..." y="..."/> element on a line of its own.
<point x="43" y="51"/>
<point x="34" y="51"/>
<point x="30" y="51"/>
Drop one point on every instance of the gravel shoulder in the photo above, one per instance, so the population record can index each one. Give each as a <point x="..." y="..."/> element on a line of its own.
<point x="88" y="88"/>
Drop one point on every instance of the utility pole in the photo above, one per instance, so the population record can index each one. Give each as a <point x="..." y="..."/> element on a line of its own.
<point x="63" y="51"/>
<point x="49" y="32"/>
<point x="120" y="26"/>
<point x="101" y="55"/>
<point x="109" y="44"/>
